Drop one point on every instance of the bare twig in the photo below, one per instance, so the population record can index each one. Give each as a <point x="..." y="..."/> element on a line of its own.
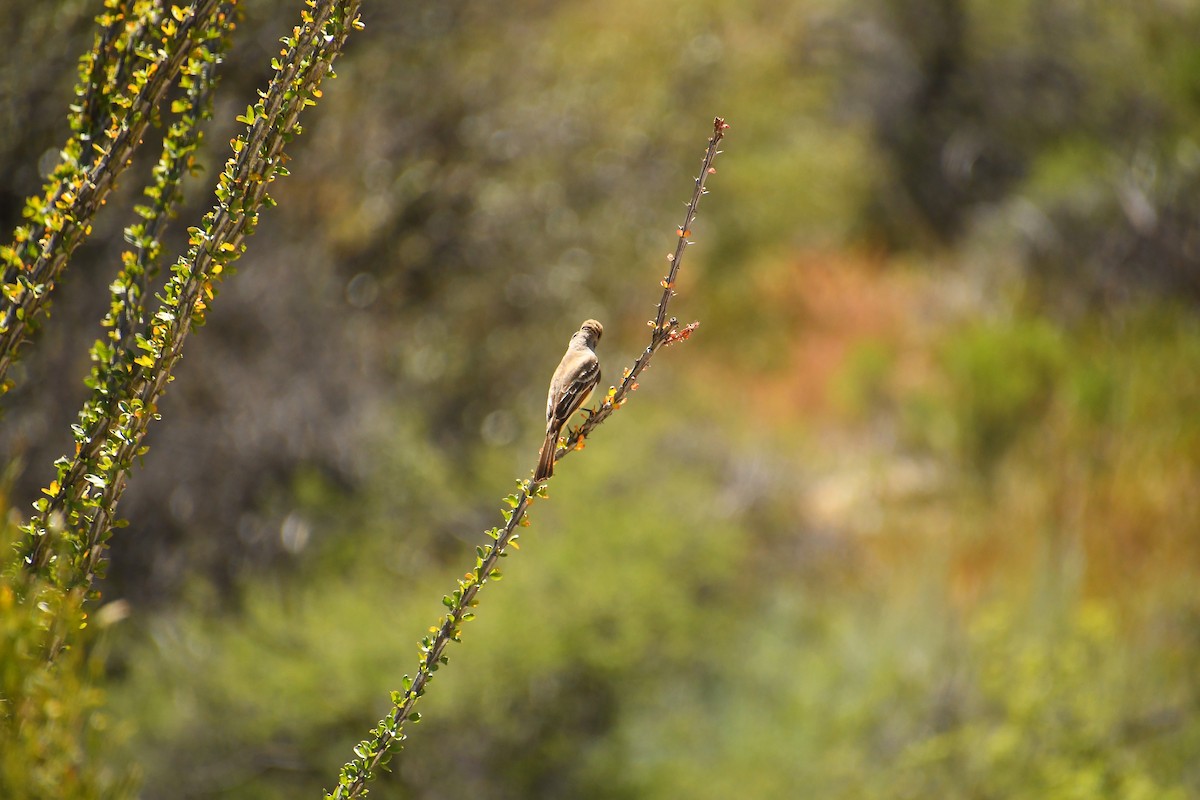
<point x="664" y="330"/>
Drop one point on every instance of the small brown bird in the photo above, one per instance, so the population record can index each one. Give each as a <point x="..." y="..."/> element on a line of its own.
<point x="572" y="385"/>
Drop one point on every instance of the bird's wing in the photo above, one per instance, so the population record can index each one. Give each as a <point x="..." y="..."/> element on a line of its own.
<point x="576" y="393"/>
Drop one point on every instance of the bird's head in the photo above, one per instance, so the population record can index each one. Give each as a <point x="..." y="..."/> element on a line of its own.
<point x="592" y="329"/>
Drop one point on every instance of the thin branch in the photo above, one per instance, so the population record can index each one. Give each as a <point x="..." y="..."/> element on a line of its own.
<point x="664" y="330"/>
<point x="374" y="752"/>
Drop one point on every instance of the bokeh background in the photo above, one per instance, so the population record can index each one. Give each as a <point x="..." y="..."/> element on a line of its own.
<point x="916" y="512"/>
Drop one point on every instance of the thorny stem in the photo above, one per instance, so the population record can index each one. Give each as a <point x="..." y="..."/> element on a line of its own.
<point x="664" y="331"/>
<point x="449" y="630"/>
<point x="372" y="753"/>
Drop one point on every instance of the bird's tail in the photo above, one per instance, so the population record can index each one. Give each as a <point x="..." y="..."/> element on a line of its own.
<point x="545" y="467"/>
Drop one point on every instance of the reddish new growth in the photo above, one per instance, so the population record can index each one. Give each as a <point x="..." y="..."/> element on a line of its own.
<point x="680" y="334"/>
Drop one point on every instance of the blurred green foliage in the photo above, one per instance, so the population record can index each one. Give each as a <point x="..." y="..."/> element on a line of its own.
<point x="1001" y="381"/>
<point x="54" y="729"/>
<point x="674" y="646"/>
<point x="927" y="528"/>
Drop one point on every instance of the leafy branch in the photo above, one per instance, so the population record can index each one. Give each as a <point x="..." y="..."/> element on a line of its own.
<point x="374" y="752"/>
<point x="114" y="369"/>
<point x="118" y="107"/>
<point x="144" y="53"/>
<point x="135" y="363"/>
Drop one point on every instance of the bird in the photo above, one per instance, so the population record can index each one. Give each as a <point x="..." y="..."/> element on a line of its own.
<point x="577" y="375"/>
